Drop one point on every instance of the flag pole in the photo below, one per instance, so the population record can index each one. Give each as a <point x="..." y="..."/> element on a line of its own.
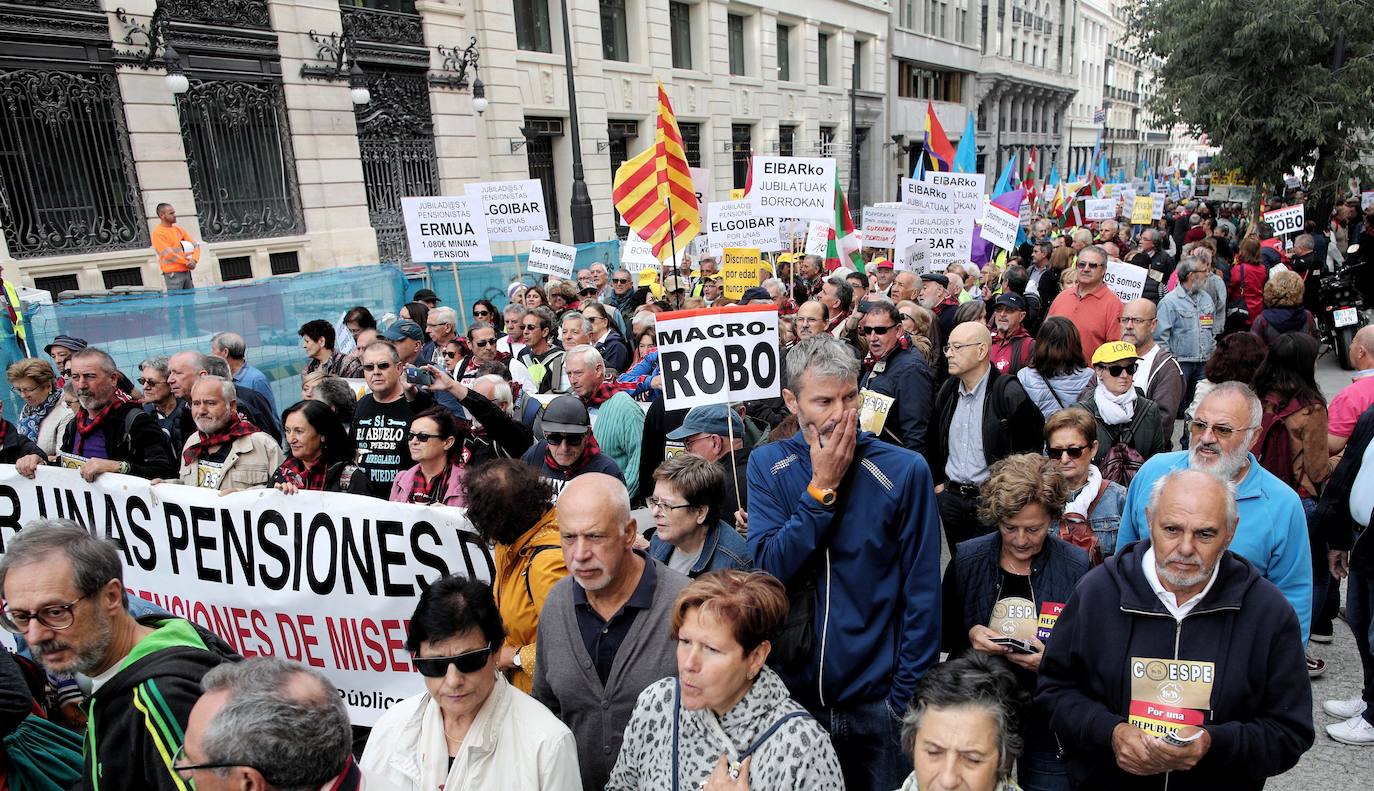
<point x="672" y="243"/>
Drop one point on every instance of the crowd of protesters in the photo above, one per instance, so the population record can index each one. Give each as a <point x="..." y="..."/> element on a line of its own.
<point x="1145" y="505"/>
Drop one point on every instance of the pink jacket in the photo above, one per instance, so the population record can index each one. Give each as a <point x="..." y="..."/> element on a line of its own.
<point x="405" y="484"/>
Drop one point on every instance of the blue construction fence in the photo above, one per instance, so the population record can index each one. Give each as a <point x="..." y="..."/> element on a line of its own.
<point x="266" y="312"/>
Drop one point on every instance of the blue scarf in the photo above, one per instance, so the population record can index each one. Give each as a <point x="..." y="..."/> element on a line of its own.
<point x="30" y="417"/>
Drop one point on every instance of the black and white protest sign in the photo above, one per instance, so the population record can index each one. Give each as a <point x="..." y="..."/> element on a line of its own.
<point x="949" y="237"/>
<point x="514" y="209"/>
<point x="701" y="185"/>
<point x="924" y="196"/>
<point x="794" y="188"/>
<point x="447" y="229"/>
<point x="965" y="191"/>
<point x="734" y="224"/>
<point x="551" y="258"/>
<point x="1125" y="280"/>
<point x="714" y="355"/>
<point x="1287" y="220"/>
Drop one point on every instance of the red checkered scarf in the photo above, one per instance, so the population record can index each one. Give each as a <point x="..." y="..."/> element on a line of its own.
<point x="237" y="427"/>
<point x="589" y="449"/>
<point x="903" y="342"/>
<point x="309" y="477"/>
<point x="87" y="423"/>
<point x="426" y="491"/>
<point x="600" y="395"/>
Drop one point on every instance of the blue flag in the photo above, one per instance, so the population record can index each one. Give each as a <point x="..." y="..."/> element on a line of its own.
<point x="1152" y="180"/>
<point x="966" y="156"/>
<point x="1004" y="181"/>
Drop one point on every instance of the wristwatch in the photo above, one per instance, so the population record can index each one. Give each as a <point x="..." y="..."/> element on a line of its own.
<point x="825" y="497"/>
<point x="517" y="661"/>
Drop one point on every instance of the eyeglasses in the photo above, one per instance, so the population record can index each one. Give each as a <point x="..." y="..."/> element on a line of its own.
<point x="420" y="436"/>
<point x="437" y="666"/>
<point x="485" y="343"/>
<point x="24" y="391"/>
<point x="1129" y="320"/>
<point x="658" y="504"/>
<point x="565" y="439"/>
<point x="877" y="330"/>
<point x="1117" y="370"/>
<point x="481" y="314"/>
<point x="185" y="771"/>
<point x="436" y="324"/>
<point x="1073" y="451"/>
<point x="376" y="366"/>
<point x="1089" y="265"/>
<point x="530" y="326"/>
<point x="450" y="355"/>
<point x="142" y="382"/>
<point x="54" y="616"/>
<point x="621" y="280"/>
<point x="951" y="348"/>
<point x="1222" y="431"/>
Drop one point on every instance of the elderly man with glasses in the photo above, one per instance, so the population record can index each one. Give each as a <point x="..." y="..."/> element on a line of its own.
<point x="893" y="368"/>
<point x="1090" y="304"/>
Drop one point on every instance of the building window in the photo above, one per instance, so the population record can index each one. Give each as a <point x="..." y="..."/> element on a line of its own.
<point x="787" y="136"/>
<point x="540" y="133"/>
<point x="680" y="32"/>
<point x="284" y="263"/>
<point x="532" y="30"/>
<point x="615" y="40"/>
<point x="858" y="74"/>
<point x="238" y="149"/>
<point x="914" y="82"/>
<point x="735" y="27"/>
<point x="115" y="278"/>
<point x="826" y="142"/>
<point x="240" y="267"/>
<point x="619" y="134"/>
<point x="67" y="180"/>
<point x="823" y="57"/>
<point x="741" y="149"/>
<point x="691" y="142"/>
<point x="907" y="14"/>
<point x="784" y="53"/>
<point x="56" y="284"/>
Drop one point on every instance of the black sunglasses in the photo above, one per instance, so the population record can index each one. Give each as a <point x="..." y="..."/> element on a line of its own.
<point x="1074" y="451"/>
<point x="480" y="313"/>
<point x="877" y="330"/>
<point x="437" y="666"/>
<point x="376" y="366"/>
<point x="621" y="280"/>
<point x="484" y="344"/>
<point x="565" y="439"/>
<point x="1115" y="370"/>
<point x="421" y="436"/>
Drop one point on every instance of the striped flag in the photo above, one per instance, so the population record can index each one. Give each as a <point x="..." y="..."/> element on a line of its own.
<point x="843" y="248"/>
<point x="937" y="155"/>
<point x="653" y="190"/>
<point x="1028" y="182"/>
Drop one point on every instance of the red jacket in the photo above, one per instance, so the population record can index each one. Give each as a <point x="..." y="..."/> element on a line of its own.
<point x="1015" y="348"/>
<point x="1253" y="291"/>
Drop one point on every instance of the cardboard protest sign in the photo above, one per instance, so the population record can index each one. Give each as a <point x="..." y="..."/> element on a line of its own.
<point x="880" y="226"/>
<point x="637" y="254"/>
<point x="701" y="185"/>
<point x="1126" y="195"/>
<point x="1000" y="225"/>
<point x="1125" y="280"/>
<point x="924" y="196"/>
<point x="514" y="209"/>
<point x="320" y="578"/>
<point x="913" y="258"/>
<point x="714" y="355"/>
<point x="1100" y="209"/>
<point x="1286" y="220"/>
<point x="739" y="270"/>
<point x="1292" y="182"/>
<point x="817" y="238"/>
<point x="551" y="258"/>
<point x="965" y="191"/>
<point x="1157" y="210"/>
<point x="1142" y="210"/>
<point x="794" y="187"/>
<point x="873" y="411"/>
<point x="446" y="229"/>
<point x="733" y="224"/>
<point x="949" y="237"/>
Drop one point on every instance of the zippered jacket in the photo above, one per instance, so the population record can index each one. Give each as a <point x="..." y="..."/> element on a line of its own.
<point x="1260" y="720"/>
<point x="875" y="558"/>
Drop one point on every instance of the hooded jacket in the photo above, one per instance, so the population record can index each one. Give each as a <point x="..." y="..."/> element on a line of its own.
<point x="1057" y="392"/>
<point x="1275" y="321"/>
<point x="525" y="573"/>
<point x="136" y="720"/>
<point x="1260" y="720"/>
<point x="875" y="560"/>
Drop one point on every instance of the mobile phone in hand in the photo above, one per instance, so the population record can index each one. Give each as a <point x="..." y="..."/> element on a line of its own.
<point x="1016" y="646"/>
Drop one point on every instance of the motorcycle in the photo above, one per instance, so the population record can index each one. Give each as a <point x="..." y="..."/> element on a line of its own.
<point x="1342" y="306"/>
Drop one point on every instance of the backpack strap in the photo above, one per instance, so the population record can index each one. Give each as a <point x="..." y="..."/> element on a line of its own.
<point x="528" y="591"/>
<point x="1101" y="490"/>
<point x="763" y="737"/>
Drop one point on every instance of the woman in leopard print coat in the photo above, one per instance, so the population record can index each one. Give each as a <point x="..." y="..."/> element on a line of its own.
<point x="724" y="702"/>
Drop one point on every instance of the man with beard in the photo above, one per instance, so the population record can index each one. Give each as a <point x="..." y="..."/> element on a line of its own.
<point x="227" y="453"/>
<point x="110" y="432"/>
<point x="1272" y="533"/>
<point x="1176" y="657"/>
<point x="934" y="297"/>
<point x="64" y="594"/>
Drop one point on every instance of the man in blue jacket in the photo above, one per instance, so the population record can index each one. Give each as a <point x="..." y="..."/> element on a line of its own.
<point x="1175" y="664"/>
<point x="892" y="368"/>
<point x="849" y="523"/>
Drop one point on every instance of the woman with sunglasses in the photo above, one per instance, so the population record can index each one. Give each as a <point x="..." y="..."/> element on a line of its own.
<point x="318" y="449"/>
<point x="1129" y="430"/>
<point x="470" y="728"/>
<point x="1071" y="443"/>
<point x="436" y="441"/>
<point x="484" y="310"/>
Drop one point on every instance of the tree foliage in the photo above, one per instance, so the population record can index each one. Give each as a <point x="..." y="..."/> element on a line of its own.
<point x="1260" y="78"/>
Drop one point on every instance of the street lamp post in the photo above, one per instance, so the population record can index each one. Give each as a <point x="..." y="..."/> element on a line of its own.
<point x="581" y="206"/>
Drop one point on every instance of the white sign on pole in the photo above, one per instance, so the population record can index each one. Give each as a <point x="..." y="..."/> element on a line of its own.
<point x="880" y="226"/>
<point x="1125" y="280"/>
<point x="794" y="187"/>
<point x="701" y="185"/>
<point x="637" y="254"/>
<point x="448" y="229"/>
<point x="1157" y="211"/>
<point x="965" y="191"/>
<point x="1000" y="225"/>
<point x="1286" y="220"/>
<point x="1100" y="208"/>
<point x="1366" y="200"/>
<point x="1127" y="196"/>
<point x="914" y="257"/>
<point x="551" y="258"/>
<point x="1292" y="182"/>
<point x="714" y="355"/>
<point x="923" y="196"/>
<point x="514" y="209"/>
<point x="949" y="237"/>
<point x="321" y="578"/>
<point x="817" y="238"/>
<point x="733" y="224"/>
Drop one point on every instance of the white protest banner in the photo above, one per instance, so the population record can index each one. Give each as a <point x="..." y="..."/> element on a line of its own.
<point x="701" y="185"/>
<point x="552" y="258"/>
<point x="733" y="224"/>
<point x="880" y="226"/>
<point x="817" y="238"/>
<point x="1125" y="280"/>
<point x="924" y="196"/>
<point x="448" y="229"/>
<point x="327" y="580"/>
<point x="637" y="254"/>
<point x="965" y="191"/>
<point x="913" y="257"/>
<point x="949" y="237"/>
<point x="714" y="355"/>
<point x="514" y="209"/>
<point x="1366" y="200"/>
<point x="1023" y="214"/>
<point x="1286" y="220"/>
<point x="1000" y="225"/>
<point x="1157" y="210"/>
<point x="1100" y="208"/>
<point x="794" y="188"/>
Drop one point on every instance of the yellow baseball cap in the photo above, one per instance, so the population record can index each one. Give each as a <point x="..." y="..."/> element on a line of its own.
<point x="1114" y="352"/>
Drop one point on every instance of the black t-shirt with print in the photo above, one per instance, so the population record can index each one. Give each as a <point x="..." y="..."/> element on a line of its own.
<point x="380" y="430"/>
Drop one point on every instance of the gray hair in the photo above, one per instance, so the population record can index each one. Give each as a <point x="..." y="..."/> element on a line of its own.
<point x="297" y="735"/>
<point x="500" y="390"/>
<point x="231" y="342"/>
<point x="1083" y="235"/>
<point x="547" y="319"/>
<point x="1187" y="265"/>
<point x="516" y="308"/>
<point x="1305" y="241"/>
<point x="215" y="366"/>
<point x="158" y="364"/>
<point x="594" y="266"/>
<point x="824" y="357"/>
<point x="1157" y="492"/>
<point x="775" y="286"/>
<point x="971" y="680"/>
<point x="107" y="363"/>
<point x="587" y="353"/>
<point x="1098" y="249"/>
<point x="338" y="395"/>
<point x="1244" y="391"/>
<point x="844" y="291"/>
<point x="577" y="316"/>
<point x="447" y="316"/>
<point x="199" y="360"/>
<point x="382" y="343"/>
<point x="226" y="386"/>
<point x="94" y="561"/>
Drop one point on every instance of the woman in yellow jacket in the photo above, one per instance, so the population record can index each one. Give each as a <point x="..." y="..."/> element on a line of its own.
<point x="513" y="510"/>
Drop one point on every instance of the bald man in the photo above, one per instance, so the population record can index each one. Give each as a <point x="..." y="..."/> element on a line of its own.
<point x="981" y="416"/>
<point x="614" y="609"/>
<point x="904" y="286"/>
<point x="1357" y="396"/>
<point x="1158" y="374"/>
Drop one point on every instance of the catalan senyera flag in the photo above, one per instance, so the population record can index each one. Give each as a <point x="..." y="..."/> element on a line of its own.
<point x="653" y="190"/>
